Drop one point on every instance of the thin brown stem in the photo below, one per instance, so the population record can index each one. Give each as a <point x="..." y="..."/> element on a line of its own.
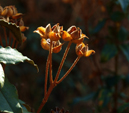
<point x="62" y="62"/>
<point x="46" y="76"/>
<point x="5" y="35"/>
<point x="13" y="43"/>
<point x="10" y="35"/>
<point x="16" y="45"/>
<point x="46" y="97"/>
<point x="70" y="69"/>
<point x="1" y="41"/>
<point x="50" y="58"/>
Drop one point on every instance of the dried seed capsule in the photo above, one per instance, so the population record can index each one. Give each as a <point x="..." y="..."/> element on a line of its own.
<point x="82" y="50"/>
<point x="1" y="9"/>
<point x="54" y="36"/>
<point x="66" y="36"/>
<point x="23" y="28"/>
<point x="4" y="12"/>
<point x="14" y="10"/>
<point x="17" y="16"/>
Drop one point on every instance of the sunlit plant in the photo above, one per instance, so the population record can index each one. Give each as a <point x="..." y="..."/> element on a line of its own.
<point x="52" y="39"/>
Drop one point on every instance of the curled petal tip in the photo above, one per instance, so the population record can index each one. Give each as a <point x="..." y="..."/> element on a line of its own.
<point x="89" y="52"/>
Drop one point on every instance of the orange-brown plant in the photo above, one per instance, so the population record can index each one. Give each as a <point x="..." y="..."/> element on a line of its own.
<point x="10" y="14"/>
<point x="51" y="41"/>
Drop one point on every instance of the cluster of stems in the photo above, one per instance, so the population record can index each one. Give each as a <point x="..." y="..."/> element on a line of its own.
<point x="11" y="41"/>
<point x="56" y="80"/>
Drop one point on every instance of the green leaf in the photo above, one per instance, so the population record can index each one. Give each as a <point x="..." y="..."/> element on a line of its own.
<point x="9" y="101"/>
<point x="12" y="56"/>
<point x="125" y="49"/>
<point x="83" y="99"/>
<point x="123" y="107"/>
<point x="124" y="4"/>
<point x="105" y="96"/>
<point x="108" y="52"/>
<point x="99" y="26"/>
<point x="117" y="16"/>
<point x="13" y="28"/>
<point x="122" y="34"/>
<point x="2" y="77"/>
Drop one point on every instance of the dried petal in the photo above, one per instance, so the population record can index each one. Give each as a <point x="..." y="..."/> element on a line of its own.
<point x="75" y="34"/>
<point x="41" y="31"/>
<point x="54" y="36"/>
<point x="66" y="36"/>
<point x="77" y="41"/>
<point x="71" y="29"/>
<point x="14" y="10"/>
<point x="48" y="29"/>
<point x="45" y="44"/>
<point x="17" y="16"/>
<point x="61" y="28"/>
<point x="10" y="12"/>
<point x="1" y="9"/>
<point x="4" y="12"/>
<point x="84" y="36"/>
<point x="58" y="48"/>
<point x="79" y="49"/>
<point x="23" y="28"/>
<point x="56" y="28"/>
<point x="89" y="52"/>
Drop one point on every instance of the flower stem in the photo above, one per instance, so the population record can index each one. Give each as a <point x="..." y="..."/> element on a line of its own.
<point x="1" y="41"/>
<point x="50" y="58"/>
<point x="70" y="69"/>
<point x="46" y="97"/>
<point x="46" y="76"/>
<point x="62" y="62"/>
<point x="13" y="43"/>
<point x="10" y="35"/>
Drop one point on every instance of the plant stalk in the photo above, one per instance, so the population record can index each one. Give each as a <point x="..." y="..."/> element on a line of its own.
<point x="62" y="61"/>
<point x="46" y="76"/>
<point x="50" y="58"/>
<point x="70" y="69"/>
<point x="46" y="97"/>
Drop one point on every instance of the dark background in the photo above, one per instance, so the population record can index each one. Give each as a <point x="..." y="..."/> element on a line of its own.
<point x="85" y="78"/>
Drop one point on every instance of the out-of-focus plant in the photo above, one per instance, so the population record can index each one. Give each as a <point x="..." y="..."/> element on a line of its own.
<point x="11" y="26"/>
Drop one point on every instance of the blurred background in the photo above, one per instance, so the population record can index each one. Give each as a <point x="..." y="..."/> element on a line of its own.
<point x="98" y="84"/>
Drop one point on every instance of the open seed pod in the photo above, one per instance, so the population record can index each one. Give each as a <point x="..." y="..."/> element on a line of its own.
<point x="48" y="32"/>
<point x="56" y="45"/>
<point x="82" y="50"/>
<point x="73" y="34"/>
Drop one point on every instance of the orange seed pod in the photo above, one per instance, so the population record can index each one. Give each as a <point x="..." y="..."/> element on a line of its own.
<point x="66" y="36"/>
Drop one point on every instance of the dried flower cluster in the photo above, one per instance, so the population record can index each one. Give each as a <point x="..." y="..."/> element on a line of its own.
<point x="10" y="14"/>
<point x="54" y="34"/>
<point x="51" y="41"/>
